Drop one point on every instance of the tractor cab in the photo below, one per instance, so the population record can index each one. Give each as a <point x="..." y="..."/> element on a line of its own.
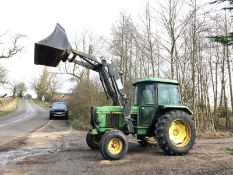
<point x="151" y="94"/>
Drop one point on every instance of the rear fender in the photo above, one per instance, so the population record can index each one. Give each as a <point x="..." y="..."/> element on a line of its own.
<point x="166" y="108"/>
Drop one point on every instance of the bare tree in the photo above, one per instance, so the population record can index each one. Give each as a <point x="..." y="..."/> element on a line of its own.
<point x="122" y="45"/>
<point x="18" y="89"/>
<point x="45" y="84"/>
<point x="12" y="48"/>
<point x="3" y="75"/>
<point x="86" y="43"/>
<point x="54" y="84"/>
<point x="21" y="89"/>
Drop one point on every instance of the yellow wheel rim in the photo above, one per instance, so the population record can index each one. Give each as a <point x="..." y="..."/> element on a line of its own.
<point x="179" y="133"/>
<point x="115" y="146"/>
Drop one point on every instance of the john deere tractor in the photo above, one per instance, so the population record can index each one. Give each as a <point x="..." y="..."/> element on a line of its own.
<point x="157" y="111"/>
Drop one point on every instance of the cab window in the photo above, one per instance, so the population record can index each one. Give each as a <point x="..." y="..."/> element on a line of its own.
<point x="145" y="94"/>
<point x="169" y="94"/>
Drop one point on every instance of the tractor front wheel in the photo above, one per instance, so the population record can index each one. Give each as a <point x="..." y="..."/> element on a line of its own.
<point x="114" y="145"/>
<point x="93" y="141"/>
<point x="175" y="132"/>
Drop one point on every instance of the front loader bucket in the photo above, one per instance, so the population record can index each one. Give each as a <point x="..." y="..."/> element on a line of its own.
<point x="53" y="49"/>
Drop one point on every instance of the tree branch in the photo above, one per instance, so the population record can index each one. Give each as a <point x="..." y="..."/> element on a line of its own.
<point x="15" y="48"/>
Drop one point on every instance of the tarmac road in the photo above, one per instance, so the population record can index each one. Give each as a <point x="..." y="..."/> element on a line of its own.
<point x="27" y="118"/>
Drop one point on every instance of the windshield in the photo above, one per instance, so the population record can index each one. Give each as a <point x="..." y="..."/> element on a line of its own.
<point x="145" y="94"/>
<point x="59" y="105"/>
<point x="169" y="94"/>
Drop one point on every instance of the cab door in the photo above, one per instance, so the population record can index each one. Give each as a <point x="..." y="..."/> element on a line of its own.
<point x="147" y="102"/>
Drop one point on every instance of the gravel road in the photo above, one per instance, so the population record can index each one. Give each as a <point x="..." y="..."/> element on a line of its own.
<point x="57" y="149"/>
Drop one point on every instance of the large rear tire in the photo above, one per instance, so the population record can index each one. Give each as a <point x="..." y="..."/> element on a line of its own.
<point x="93" y="141"/>
<point x="114" y="145"/>
<point x="175" y="132"/>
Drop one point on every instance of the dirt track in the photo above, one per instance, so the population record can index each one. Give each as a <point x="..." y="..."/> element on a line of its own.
<point x="56" y="149"/>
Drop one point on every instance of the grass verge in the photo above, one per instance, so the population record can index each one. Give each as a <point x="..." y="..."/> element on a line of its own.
<point x="229" y="150"/>
<point x="79" y="123"/>
<point x="43" y="104"/>
<point x="9" y="107"/>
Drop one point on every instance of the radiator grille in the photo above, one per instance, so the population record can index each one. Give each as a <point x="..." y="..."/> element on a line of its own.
<point x="112" y="120"/>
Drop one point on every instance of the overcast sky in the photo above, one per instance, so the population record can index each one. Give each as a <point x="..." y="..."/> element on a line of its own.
<point x="37" y="20"/>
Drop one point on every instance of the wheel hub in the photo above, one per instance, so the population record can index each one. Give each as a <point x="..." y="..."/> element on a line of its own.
<point x="175" y="132"/>
<point x="115" y="146"/>
<point x="179" y="133"/>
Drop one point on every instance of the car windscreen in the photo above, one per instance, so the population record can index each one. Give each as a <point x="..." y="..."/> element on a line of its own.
<point x="59" y="105"/>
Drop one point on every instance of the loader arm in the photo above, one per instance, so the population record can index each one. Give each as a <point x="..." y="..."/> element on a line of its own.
<point x="54" y="48"/>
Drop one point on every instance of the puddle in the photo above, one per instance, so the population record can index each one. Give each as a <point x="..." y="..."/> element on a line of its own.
<point x="11" y="157"/>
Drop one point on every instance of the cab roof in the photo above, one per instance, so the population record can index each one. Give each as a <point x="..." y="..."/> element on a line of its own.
<point x="155" y="80"/>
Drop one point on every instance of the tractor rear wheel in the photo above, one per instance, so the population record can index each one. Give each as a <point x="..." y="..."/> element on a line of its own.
<point x="114" y="145"/>
<point x="93" y="141"/>
<point x="175" y="132"/>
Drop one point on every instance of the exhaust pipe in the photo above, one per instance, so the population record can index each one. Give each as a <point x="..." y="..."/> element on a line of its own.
<point x="53" y="49"/>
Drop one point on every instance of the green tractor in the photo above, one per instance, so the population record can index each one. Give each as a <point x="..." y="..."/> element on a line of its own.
<point x="157" y="111"/>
